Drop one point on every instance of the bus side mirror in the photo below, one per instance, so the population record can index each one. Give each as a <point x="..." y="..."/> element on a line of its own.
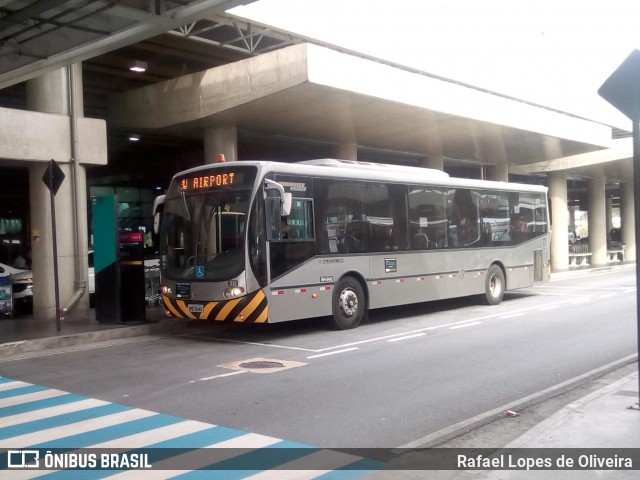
<point x="158" y="207"/>
<point x="285" y="206"/>
<point x="285" y="197"/>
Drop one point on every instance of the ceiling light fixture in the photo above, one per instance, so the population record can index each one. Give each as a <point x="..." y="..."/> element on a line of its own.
<point x="134" y="137"/>
<point x="138" y="66"/>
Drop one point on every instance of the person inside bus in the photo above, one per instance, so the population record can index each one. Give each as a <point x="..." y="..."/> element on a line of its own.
<point x="463" y="205"/>
<point x="519" y="229"/>
<point x="466" y="233"/>
<point x="420" y="240"/>
<point x="388" y="241"/>
<point x="285" y="230"/>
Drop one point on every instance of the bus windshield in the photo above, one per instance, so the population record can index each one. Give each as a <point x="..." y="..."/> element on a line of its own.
<point x="204" y="235"/>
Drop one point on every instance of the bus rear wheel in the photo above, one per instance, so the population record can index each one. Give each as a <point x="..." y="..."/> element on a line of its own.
<point x="494" y="285"/>
<point x="348" y="304"/>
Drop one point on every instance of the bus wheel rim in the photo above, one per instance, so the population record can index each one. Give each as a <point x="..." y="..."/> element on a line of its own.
<point x="348" y="302"/>
<point x="495" y="286"/>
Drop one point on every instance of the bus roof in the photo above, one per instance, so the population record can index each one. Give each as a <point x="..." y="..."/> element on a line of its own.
<point x="351" y="169"/>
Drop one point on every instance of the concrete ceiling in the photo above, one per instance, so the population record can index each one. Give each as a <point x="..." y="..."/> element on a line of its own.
<point x="316" y="93"/>
<point x="41" y="35"/>
<point x="180" y="37"/>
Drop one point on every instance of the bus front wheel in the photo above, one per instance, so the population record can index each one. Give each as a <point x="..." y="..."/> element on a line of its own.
<point x="348" y="304"/>
<point x="494" y="285"/>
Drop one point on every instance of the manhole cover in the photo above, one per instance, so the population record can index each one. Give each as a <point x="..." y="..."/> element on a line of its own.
<point x="261" y="364"/>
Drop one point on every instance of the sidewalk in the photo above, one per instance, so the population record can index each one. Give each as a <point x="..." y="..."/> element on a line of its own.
<point x="24" y="333"/>
<point x="607" y="418"/>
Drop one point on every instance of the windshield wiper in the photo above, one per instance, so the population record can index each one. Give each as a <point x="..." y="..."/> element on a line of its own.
<point x="186" y="206"/>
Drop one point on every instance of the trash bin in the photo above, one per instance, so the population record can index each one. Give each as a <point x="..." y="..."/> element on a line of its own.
<point x="132" y="278"/>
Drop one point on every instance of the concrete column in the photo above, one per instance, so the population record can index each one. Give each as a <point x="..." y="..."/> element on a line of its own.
<point x="628" y="220"/>
<point x="609" y="210"/>
<point x="433" y="143"/>
<point x="559" y="227"/>
<point x="490" y="149"/>
<point x="597" y="221"/>
<point x="347" y="151"/>
<point x="50" y="93"/>
<point x="219" y="140"/>
<point x="435" y="161"/>
<point x="499" y="172"/>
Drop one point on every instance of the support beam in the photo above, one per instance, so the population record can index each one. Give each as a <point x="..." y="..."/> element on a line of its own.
<point x="220" y="140"/>
<point x="560" y="225"/>
<point x="597" y="221"/>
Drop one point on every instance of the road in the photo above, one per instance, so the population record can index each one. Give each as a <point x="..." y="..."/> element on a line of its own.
<point x="408" y="377"/>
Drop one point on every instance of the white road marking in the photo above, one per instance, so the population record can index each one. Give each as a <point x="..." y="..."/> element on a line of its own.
<point x="346" y="347"/>
<point x="335" y="352"/>
<point x="550" y="307"/>
<point x="222" y="375"/>
<point x="407" y="337"/>
<point x="580" y="301"/>
<point x="465" y="325"/>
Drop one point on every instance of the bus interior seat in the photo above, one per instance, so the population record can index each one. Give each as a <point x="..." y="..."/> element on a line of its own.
<point x="420" y="241"/>
<point x="487" y="238"/>
<point x="323" y="242"/>
<point x="333" y="245"/>
<point x="351" y="245"/>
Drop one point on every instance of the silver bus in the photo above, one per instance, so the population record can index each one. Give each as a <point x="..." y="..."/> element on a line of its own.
<point x="262" y="241"/>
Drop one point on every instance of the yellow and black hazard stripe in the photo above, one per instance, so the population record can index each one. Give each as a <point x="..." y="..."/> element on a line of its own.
<point x="252" y="308"/>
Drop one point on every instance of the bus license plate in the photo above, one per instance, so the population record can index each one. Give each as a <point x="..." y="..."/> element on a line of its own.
<point x="195" y="307"/>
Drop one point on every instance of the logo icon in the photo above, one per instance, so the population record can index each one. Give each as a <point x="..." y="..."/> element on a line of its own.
<point x="23" y="459"/>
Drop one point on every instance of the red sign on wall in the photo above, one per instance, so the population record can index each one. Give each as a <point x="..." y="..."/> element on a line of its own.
<point x="131" y="237"/>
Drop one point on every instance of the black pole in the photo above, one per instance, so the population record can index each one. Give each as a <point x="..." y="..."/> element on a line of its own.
<point x="55" y="249"/>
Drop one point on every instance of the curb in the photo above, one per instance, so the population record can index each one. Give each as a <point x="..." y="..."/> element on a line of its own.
<point x="441" y="436"/>
<point x="575" y="272"/>
<point x="19" y="347"/>
<point x="527" y="438"/>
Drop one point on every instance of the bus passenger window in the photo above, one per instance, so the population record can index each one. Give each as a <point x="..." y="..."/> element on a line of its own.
<point x="428" y="225"/>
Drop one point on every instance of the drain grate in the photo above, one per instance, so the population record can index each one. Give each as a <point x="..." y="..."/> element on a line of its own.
<point x="261" y="364"/>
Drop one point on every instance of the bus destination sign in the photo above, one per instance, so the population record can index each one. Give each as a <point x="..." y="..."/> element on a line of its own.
<point x="207" y="182"/>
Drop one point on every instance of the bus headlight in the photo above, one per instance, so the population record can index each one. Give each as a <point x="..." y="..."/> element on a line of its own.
<point x="166" y="290"/>
<point x="233" y="292"/>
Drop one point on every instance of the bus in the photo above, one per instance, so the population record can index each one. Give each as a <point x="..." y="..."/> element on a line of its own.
<point x="266" y="242"/>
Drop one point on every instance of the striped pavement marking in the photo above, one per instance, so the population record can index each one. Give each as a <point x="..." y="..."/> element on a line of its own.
<point x="37" y="417"/>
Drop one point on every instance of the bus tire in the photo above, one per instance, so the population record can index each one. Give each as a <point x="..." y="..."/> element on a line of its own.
<point x="349" y="304"/>
<point x="494" y="285"/>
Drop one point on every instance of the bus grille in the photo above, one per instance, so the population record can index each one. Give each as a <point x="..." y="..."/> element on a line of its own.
<point x="250" y="309"/>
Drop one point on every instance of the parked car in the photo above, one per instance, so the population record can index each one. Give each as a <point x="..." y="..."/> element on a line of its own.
<point x="21" y="285"/>
<point x="22" y="282"/>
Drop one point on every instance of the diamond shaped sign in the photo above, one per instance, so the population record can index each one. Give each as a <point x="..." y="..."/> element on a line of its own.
<point x="53" y="177"/>
<point x="622" y="88"/>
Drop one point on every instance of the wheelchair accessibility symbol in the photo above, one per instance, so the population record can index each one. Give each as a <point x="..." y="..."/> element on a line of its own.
<point x="200" y="271"/>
